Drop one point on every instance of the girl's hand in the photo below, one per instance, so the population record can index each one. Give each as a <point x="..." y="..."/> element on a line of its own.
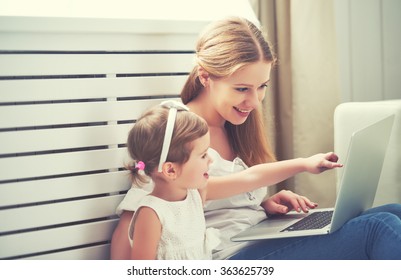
<point x="285" y="201"/>
<point x="321" y="162"/>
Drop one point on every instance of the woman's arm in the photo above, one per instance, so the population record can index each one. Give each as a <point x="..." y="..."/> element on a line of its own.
<point x="267" y="174"/>
<point x="147" y="233"/>
<point x="120" y="247"/>
<point x="284" y="201"/>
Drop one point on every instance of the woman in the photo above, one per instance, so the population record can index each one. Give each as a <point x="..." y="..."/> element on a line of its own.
<point x="226" y="88"/>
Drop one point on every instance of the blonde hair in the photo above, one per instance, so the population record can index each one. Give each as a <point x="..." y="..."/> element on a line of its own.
<point x="145" y="140"/>
<point x="222" y="48"/>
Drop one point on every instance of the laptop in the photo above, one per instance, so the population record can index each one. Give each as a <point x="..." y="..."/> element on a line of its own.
<point x="362" y="169"/>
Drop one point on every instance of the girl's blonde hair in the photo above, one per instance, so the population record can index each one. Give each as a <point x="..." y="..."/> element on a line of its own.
<point x="222" y="48"/>
<point x="145" y="140"/>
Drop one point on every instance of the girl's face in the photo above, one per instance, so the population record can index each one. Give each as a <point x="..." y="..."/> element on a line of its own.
<point x="194" y="172"/>
<point x="235" y="96"/>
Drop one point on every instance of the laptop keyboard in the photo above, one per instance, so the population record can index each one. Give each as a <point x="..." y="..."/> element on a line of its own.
<point x="315" y="220"/>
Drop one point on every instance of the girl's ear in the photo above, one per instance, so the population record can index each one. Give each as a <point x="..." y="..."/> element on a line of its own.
<point x="170" y="170"/>
<point x="203" y="76"/>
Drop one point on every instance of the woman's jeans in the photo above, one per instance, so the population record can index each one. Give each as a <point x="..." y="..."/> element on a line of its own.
<point x="375" y="234"/>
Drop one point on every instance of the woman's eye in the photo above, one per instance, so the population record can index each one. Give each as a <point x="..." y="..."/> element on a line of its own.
<point x="263" y="86"/>
<point x="243" y="89"/>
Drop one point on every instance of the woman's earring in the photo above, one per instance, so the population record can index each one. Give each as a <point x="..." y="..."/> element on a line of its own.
<point x="203" y="76"/>
<point x="201" y="81"/>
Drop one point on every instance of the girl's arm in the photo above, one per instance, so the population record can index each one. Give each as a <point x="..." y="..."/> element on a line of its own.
<point x="146" y="235"/>
<point x="267" y="174"/>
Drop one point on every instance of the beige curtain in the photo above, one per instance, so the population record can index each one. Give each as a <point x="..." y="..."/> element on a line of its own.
<point x="305" y="86"/>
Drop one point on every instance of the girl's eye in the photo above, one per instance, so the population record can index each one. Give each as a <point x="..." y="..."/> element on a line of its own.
<point x="204" y="156"/>
<point x="243" y="89"/>
<point x="263" y="86"/>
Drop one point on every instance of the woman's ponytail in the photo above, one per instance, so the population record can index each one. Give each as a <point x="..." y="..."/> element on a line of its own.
<point x="192" y="86"/>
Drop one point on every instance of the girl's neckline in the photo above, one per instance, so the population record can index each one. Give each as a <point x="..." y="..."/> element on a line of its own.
<point x="171" y="201"/>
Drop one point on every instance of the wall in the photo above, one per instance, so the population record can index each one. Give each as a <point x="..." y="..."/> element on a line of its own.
<point x="190" y="10"/>
<point x="369" y="40"/>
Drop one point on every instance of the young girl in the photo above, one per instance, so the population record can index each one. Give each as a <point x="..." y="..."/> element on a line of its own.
<point x="170" y="145"/>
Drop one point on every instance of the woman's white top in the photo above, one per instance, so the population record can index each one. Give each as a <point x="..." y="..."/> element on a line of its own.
<point x="229" y="216"/>
<point x="184" y="235"/>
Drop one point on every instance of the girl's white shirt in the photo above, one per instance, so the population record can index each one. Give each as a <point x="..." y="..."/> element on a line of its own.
<point x="184" y="235"/>
<point x="230" y="215"/>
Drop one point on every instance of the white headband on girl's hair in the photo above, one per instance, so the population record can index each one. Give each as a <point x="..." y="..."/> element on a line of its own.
<point x="174" y="106"/>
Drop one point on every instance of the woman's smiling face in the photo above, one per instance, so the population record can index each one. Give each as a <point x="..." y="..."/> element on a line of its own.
<point x="235" y="96"/>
